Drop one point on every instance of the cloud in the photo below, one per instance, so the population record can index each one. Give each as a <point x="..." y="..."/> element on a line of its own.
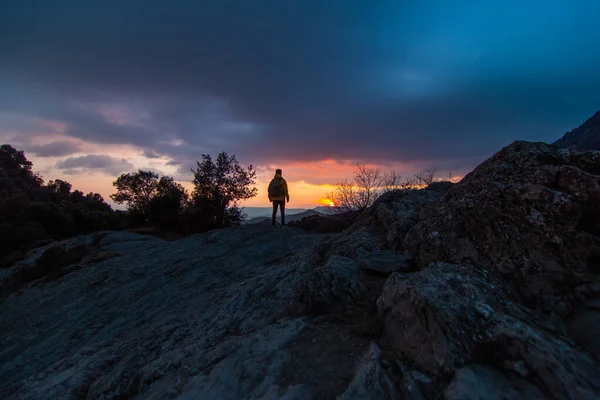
<point x="95" y="162"/>
<point x="54" y="149"/>
<point x="414" y="82"/>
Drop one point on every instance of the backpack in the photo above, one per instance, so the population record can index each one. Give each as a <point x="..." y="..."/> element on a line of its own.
<point x="275" y="189"/>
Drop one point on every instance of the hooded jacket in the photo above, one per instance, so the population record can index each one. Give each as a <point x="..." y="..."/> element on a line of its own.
<point x="284" y="186"/>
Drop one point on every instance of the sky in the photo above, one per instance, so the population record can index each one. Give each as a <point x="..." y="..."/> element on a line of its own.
<point x="93" y="89"/>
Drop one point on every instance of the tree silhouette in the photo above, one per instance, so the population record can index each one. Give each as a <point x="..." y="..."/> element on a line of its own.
<point x="150" y="199"/>
<point x="219" y="185"/>
<point x="15" y="166"/>
<point x="31" y="212"/>
<point x="136" y="189"/>
<point x="167" y="204"/>
<point x="59" y="191"/>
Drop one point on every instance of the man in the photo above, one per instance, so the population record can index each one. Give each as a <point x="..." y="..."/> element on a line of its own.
<point x="278" y="194"/>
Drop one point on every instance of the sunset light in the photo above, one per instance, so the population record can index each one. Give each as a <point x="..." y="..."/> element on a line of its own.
<point x="327" y="202"/>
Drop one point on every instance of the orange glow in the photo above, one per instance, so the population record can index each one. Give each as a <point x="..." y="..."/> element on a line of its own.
<point x="327" y="202"/>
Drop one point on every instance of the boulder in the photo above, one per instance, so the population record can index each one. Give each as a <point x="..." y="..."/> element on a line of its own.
<point x="435" y="317"/>
<point x="530" y="212"/>
<point x="584" y="325"/>
<point x="386" y="261"/>
<point x="371" y="381"/>
<point x="377" y="378"/>
<point x="447" y="316"/>
<point x="396" y="211"/>
<point x="481" y="382"/>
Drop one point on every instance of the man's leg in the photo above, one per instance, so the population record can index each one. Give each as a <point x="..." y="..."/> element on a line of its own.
<point x="274" y="212"/>
<point x="282" y="206"/>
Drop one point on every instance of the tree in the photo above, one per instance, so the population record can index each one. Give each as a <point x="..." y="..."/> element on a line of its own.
<point x="150" y="199"/>
<point x="59" y="191"/>
<point x="394" y="181"/>
<point x="424" y="179"/>
<point x="351" y="198"/>
<point x="167" y="204"/>
<point x="15" y="166"/>
<point x="218" y="187"/>
<point x="136" y="190"/>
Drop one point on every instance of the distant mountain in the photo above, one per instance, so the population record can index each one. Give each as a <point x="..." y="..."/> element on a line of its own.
<point x="288" y="217"/>
<point x="327" y="210"/>
<point x="265" y="212"/>
<point x="585" y="137"/>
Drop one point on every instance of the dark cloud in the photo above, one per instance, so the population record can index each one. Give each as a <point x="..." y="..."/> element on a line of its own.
<point x="54" y="149"/>
<point x="421" y="82"/>
<point x="95" y="162"/>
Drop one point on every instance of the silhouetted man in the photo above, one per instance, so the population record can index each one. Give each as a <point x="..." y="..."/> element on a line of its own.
<point x="278" y="194"/>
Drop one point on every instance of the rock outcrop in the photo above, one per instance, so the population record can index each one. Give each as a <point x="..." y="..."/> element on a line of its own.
<point x="488" y="288"/>
<point x="506" y="258"/>
<point x="531" y="213"/>
<point x="585" y="137"/>
<point x="395" y="212"/>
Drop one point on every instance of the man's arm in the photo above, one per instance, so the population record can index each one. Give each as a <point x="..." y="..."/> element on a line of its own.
<point x="285" y="189"/>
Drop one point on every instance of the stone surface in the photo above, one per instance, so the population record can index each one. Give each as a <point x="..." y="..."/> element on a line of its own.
<point x="371" y="381"/>
<point x="530" y="212"/>
<point x="395" y="212"/>
<point x="210" y="316"/>
<point x="584" y="326"/>
<point x="448" y="316"/>
<point x="386" y="261"/>
<point x="507" y="257"/>
<point x="480" y="382"/>
<point x="584" y="137"/>
<point x="430" y="317"/>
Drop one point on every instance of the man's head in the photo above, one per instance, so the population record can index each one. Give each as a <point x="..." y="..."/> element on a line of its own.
<point x="278" y="171"/>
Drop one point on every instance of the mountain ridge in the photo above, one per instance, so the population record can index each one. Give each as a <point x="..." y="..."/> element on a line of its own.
<point x="584" y="137"/>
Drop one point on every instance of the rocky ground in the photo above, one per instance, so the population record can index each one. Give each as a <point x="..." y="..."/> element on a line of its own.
<point x="487" y="289"/>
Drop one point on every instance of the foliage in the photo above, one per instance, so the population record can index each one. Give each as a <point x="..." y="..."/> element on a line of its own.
<point x="16" y="169"/>
<point x="219" y="185"/>
<point x="150" y="199"/>
<point x="31" y="212"/>
<point x="136" y="189"/>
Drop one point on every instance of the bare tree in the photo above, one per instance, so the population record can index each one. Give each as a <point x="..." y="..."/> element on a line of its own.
<point x="350" y="198"/>
<point x="394" y="181"/>
<point x="424" y="179"/>
<point x="369" y="183"/>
